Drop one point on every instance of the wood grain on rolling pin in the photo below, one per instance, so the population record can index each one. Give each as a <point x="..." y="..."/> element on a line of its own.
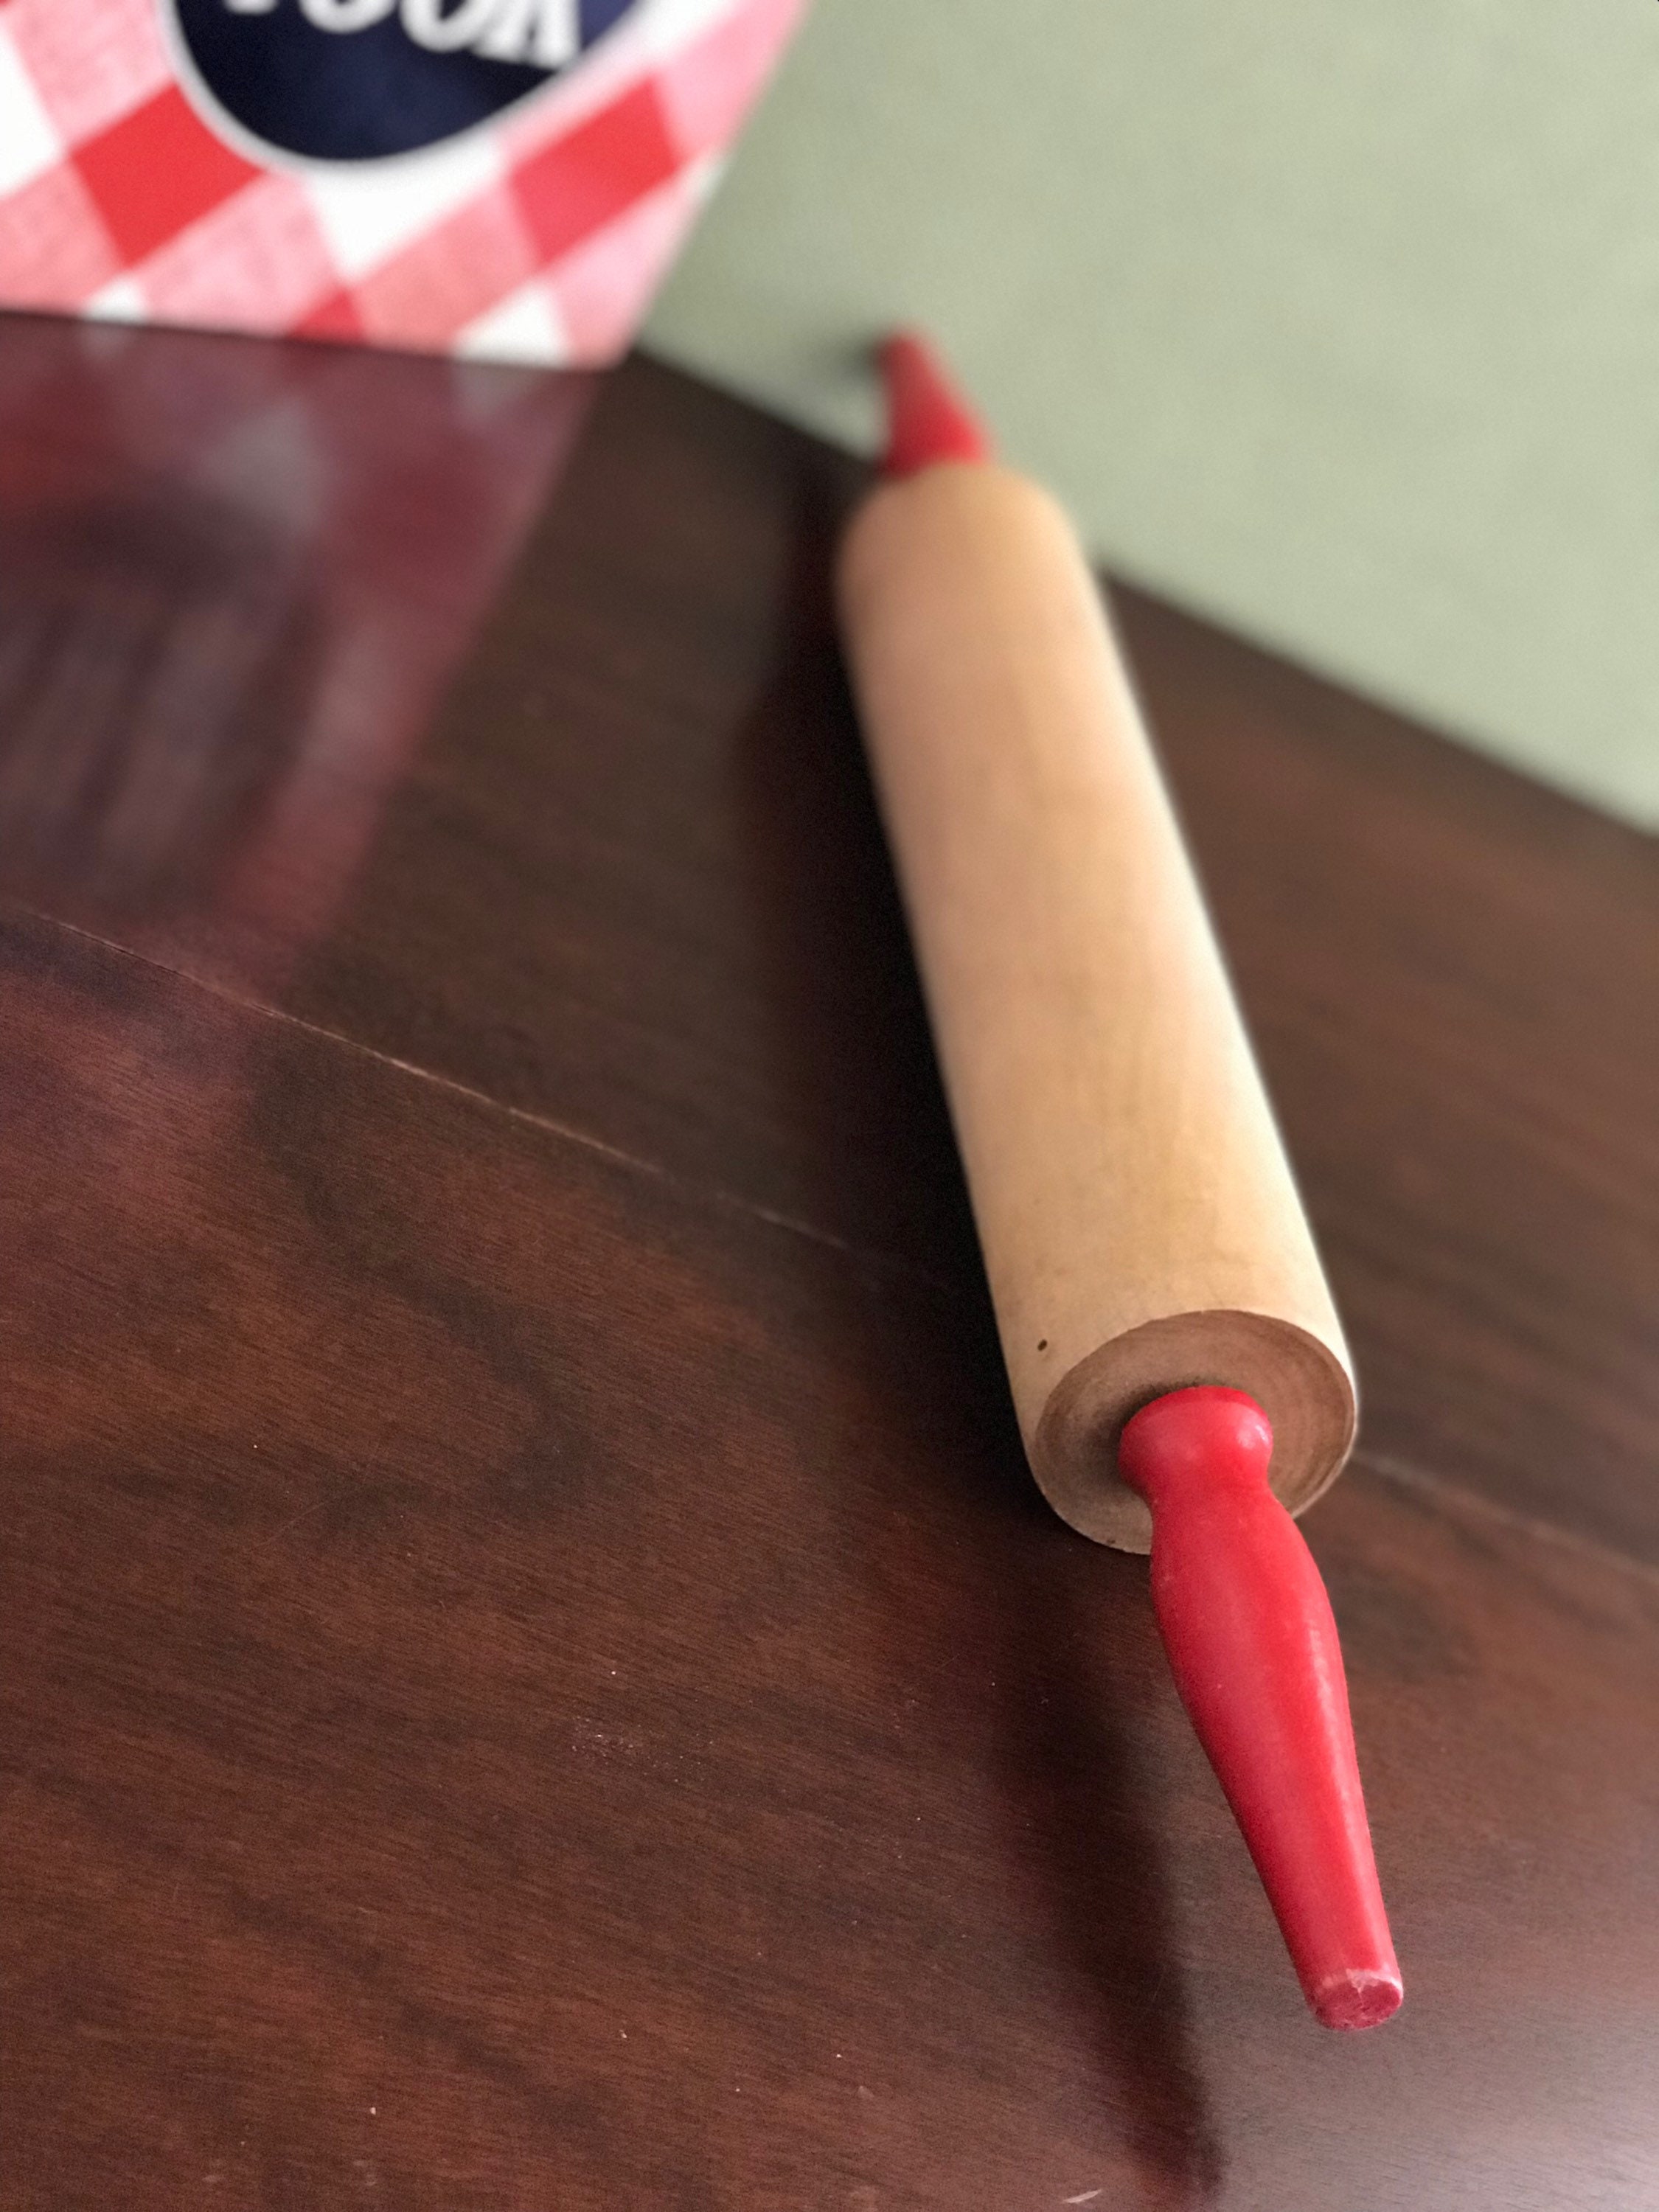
<point x="1138" y="1221"/>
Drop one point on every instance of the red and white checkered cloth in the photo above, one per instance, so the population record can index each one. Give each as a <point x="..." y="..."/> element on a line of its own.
<point x="539" y="237"/>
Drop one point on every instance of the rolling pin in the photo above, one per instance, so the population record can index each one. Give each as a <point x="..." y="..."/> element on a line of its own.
<point x="1176" y="1361"/>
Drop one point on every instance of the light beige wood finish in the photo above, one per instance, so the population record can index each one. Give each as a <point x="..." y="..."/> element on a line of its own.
<point x="1138" y="1221"/>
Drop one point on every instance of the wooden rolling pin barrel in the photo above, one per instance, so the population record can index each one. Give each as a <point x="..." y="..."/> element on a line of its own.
<point x="1163" y="1312"/>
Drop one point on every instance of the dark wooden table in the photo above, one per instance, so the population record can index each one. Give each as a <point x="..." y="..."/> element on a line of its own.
<point x="535" y="1677"/>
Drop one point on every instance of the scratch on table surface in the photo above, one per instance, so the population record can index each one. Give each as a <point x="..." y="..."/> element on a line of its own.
<point x="1087" y="2197"/>
<point x="1151" y="2003"/>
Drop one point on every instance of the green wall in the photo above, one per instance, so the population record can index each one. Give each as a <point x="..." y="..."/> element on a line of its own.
<point x="1338" y="321"/>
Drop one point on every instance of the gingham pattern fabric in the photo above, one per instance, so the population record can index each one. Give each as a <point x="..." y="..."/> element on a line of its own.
<point x="537" y="237"/>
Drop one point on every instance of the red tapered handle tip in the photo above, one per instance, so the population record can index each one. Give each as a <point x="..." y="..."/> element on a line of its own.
<point x="928" y="419"/>
<point x="1253" y="1647"/>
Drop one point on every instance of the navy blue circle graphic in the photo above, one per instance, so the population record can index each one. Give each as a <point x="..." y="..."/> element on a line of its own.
<point x="358" y="80"/>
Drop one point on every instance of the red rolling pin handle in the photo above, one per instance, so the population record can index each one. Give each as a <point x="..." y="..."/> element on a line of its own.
<point x="927" y="418"/>
<point x="1253" y="1647"/>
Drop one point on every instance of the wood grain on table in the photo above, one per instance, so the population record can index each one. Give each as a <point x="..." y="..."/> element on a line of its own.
<point x="535" y="1675"/>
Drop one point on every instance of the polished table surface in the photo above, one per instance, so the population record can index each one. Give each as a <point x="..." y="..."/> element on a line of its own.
<point x="535" y="1677"/>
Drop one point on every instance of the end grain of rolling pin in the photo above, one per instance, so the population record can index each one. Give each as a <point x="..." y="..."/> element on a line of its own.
<point x="1142" y="1235"/>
